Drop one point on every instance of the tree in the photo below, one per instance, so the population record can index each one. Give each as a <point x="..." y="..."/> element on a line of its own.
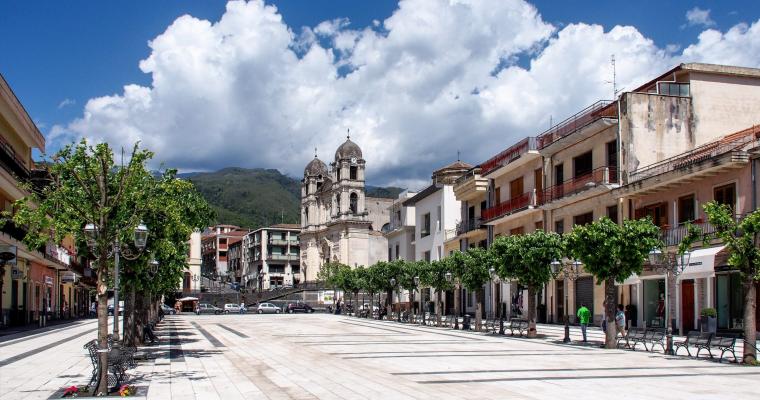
<point x="434" y="275"/>
<point x="456" y="264"/>
<point x="409" y="271"/>
<point x="612" y="253"/>
<point x="528" y="258"/>
<point x="328" y="275"/>
<point x="479" y="261"/>
<point x="742" y="239"/>
<point x="88" y="187"/>
<point x="372" y="282"/>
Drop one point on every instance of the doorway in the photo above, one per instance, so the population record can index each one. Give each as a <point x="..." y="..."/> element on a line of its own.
<point x="687" y="305"/>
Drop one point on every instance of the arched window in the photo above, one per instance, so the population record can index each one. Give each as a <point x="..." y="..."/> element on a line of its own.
<point x="337" y="204"/>
<point x="354" y="202"/>
<point x="186" y="282"/>
<point x="306" y="215"/>
<point x="353" y="171"/>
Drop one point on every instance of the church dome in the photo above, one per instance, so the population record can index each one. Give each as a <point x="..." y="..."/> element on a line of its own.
<point x="315" y="167"/>
<point x="348" y="149"/>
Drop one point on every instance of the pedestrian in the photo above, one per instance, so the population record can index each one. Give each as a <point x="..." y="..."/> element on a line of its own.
<point x="93" y="310"/>
<point x="242" y="308"/>
<point x="620" y="320"/>
<point x="584" y="315"/>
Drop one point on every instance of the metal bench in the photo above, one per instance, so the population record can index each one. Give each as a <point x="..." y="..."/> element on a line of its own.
<point x="518" y="324"/>
<point x="491" y="325"/>
<point x="654" y="337"/>
<point x="119" y="360"/>
<point x="632" y="337"/>
<point x="724" y="344"/>
<point x="691" y="338"/>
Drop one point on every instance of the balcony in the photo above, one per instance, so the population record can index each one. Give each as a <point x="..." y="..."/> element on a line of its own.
<point x="674" y="236"/>
<point x="706" y="154"/>
<point x="512" y="206"/>
<point x="282" y="257"/>
<point x="600" y="177"/>
<point x="471" y="185"/>
<point x="279" y="242"/>
<point x="510" y="155"/>
<point x="469" y="226"/>
<point x="599" y="111"/>
<point x="13" y="164"/>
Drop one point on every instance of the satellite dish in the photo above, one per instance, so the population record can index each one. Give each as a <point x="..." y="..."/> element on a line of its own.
<point x="6" y="256"/>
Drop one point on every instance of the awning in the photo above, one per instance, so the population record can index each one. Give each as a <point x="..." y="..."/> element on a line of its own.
<point x="188" y="299"/>
<point x="701" y="263"/>
<point x="631" y="280"/>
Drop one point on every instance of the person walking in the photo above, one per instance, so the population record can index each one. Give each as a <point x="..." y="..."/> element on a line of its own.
<point x="242" y="308"/>
<point x="584" y="315"/>
<point x="620" y="322"/>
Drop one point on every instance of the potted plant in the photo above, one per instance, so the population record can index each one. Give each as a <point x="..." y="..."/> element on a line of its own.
<point x="709" y="320"/>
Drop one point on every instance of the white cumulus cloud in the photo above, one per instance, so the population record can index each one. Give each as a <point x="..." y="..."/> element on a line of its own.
<point x="698" y="16"/>
<point x="435" y="77"/>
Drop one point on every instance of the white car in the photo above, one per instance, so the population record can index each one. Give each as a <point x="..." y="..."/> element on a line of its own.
<point x="268" y="308"/>
<point x="232" y="308"/>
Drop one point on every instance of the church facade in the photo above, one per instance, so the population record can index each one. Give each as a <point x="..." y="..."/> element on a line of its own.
<point x="339" y="223"/>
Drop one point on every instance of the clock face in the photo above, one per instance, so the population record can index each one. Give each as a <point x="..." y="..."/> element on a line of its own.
<point x="353" y="160"/>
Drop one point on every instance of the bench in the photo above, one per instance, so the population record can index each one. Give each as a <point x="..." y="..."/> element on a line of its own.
<point x="491" y="325"/>
<point x="632" y="338"/>
<point x="691" y="339"/>
<point x="724" y="344"/>
<point x="654" y="337"/>
<point x="119" y="360"/>
<point x="518" y="324"/>
<point x="447" y="321"/>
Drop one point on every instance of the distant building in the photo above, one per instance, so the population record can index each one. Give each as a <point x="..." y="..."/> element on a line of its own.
<point x="271" y="257"/>
<point x="338" y="222"/>
<point x="400" y="232"/>
<point x="214" y="247"/>
<point x="191" y="279"/>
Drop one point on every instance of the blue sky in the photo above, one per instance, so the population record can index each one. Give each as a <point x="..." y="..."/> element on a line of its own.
<point x="58" y="55"/>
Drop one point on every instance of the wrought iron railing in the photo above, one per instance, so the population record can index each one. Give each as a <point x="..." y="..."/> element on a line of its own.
<point x="674" y="236"/>
<point x="598" y="176"/>
<point x="468" y="225"/>
<point x="599" y="110"/>
<point x="511" y="206"/>
<point x="707" y="151"/>
<point x="468" y="175"/>
<point x="509" y="155"/>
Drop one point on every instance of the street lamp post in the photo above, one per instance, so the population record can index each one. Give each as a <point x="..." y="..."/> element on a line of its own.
<point x="393" y="286"/>
<point x="416" y="287"/>
<point x="140" y="238"/>
<point x="449" y="277"/>
<point x="570" y="272"/>
<point x="669" y="264"/>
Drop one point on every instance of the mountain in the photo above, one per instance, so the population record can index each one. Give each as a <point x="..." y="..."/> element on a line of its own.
<point x="258" y="197"/>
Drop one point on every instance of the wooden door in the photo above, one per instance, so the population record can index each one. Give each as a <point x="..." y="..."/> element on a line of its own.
<point x="687" y="305"/>
<point x="497" y="195"/>
<point x="538" y="180"/>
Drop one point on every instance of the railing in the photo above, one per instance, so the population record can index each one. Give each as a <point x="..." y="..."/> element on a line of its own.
<point x="11" y="162"/>
<point x="601" y="175"/>
<point x="508" y="155"/>
<point x="449" y="234"/>
<point x="279" y="242"/>
<point x="510" y="206"/>
<point x="600" y="109"/>
<point x="282" y="257"/>
<point x="469" y="225"/>
<point x="707" y="151"/>
<point x="674" y="236"/>
<point x="12" y="230"/>
<point x="468" y="175"/>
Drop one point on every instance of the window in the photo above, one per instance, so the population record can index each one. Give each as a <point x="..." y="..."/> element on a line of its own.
<point x="337" y="173"/>
<point x="559" y="174"/>
<point x="517" y="231"/>
<point x="658" y="212"/>
<point x="582" y="165"/>
<point x="612" y="154"/>
<point x="674" y="89"/>
<point x="276" y="269"/>
<point x="438" y="219"/>
<point x="439" y="253"/>
<point x="516" y="188"/>
<point x="539" y="225"/>
<point x="559" y="226"/>
<point x="726" y="194"/>
<point x="397" y="255"/>
<point x="483" y="206"/>
<point x="583" y="219"/>
<point x="426" y="256"/>
<point x="295" y="269"/>
<point x="497" y="196"/>
<point x="612" y="213"/>
<point x="425" y="231"/>
<point x="353" y="172"/>
<point x="354" y="199"/>
<point x="398" y="218"/>
<point x="686" y="209"/>
<point x="538" y="179"/>
<point x="390" y="253"/>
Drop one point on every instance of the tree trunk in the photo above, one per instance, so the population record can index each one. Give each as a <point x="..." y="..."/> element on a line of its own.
<point x="388" y="304"/>
<point x="532" y="312"/>
<point x="479" y="310"/>
<point x="129" y="318"/>
<point x="140" y="315"/>
<point x="610" y="305"/>
<point x="411" y="304"/>
<point x="750" y="332"/>
<point x="438" y="308"/>
<point x="102" y="383"/>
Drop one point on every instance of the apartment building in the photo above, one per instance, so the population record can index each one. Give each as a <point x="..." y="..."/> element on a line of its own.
<point x="588" y="165"/>
<point x="399" y="232"/>
<point x="191" y="279"/>
<point x="271" y="257"/>
<point x="215" y="243"/>
<point x="36" y="284"/>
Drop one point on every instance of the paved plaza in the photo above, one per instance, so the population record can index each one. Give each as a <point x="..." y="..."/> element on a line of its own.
<point x="335" y="357"/>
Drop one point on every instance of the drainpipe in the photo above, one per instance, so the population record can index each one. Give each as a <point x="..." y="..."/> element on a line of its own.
<point x="754" y="183"/>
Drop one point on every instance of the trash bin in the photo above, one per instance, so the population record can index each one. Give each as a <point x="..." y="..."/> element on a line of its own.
<point x="466" y="322"/>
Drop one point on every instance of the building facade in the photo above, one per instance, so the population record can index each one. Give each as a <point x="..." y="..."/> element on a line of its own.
<point x="271" y="257"/>
<point x="339" y="223"/>
<point x="215" y="243"/>
<point x="401" y="230"/>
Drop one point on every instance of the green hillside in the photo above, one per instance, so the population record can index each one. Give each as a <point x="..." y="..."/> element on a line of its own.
<point x="253" y="198"/>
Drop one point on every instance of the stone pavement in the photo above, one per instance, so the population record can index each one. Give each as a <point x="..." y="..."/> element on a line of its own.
<point x="320" y="356"/>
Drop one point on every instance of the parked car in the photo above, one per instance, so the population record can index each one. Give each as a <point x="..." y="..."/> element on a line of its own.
<point x="205" y="308"/>
<point x="233" y="308"/>
<point x="168" y="310"/>
<point x="298" y="307"/>
<point x="268" y="308"/>
<point x="110" y="309"/>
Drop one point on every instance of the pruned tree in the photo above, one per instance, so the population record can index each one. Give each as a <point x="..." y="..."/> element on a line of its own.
<point x="528" y="258"/>
<point x="434" y="276"/>
<point x="409" y="271"/>
<point x="477" y="261"/>
<point x="612" y="253"/>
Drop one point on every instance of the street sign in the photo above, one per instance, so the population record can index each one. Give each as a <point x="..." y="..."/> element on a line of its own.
<point x="48" y="280"/>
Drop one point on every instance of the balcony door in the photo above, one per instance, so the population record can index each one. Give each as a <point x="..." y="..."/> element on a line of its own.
<point x="516" y="188"/>
<point x="582" y="165"/>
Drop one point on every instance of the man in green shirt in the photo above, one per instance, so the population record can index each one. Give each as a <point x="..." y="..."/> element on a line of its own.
<point x="584" y="316"/>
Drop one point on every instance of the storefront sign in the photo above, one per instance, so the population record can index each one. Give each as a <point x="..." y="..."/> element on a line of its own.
<point x="16" y="273"/>
<point x="48" y="280"/>
<point x="8" y="254"/>
<point x="68" y="277"/>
